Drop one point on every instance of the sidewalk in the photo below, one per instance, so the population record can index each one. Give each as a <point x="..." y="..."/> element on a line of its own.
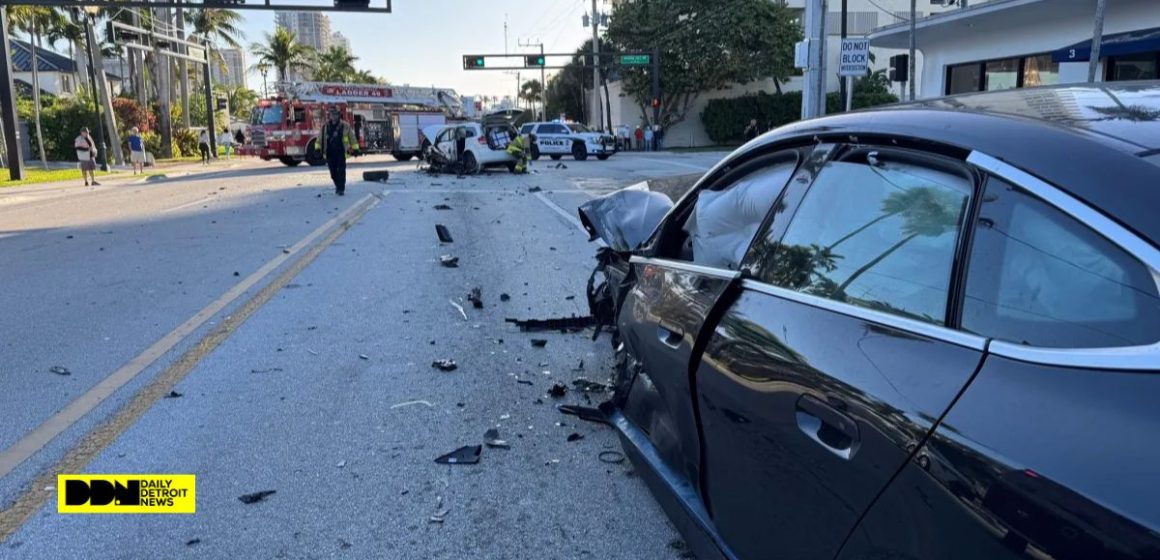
<point x="122" y="177"/>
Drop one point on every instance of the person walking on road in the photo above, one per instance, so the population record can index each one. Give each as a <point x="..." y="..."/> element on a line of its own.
<point x="203" y="146"/>
<point x="338" y="140"/>
<point x="226" y="140"/>
<point x="136" y="151"/>
<point x="751" y="131"/>
<point x="639" y="139"/>
<point x="648" y="139"/>
<point x="86" y="156"/>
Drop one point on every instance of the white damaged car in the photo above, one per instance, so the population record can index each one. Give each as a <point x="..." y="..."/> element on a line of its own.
<point x="558" y="139"/>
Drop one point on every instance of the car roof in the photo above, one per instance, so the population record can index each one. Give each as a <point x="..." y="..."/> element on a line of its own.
<point x="1104" y="155"/>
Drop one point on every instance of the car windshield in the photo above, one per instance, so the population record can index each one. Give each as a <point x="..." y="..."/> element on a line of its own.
<point x="577" y="127"/>
<point x="267" y="115"/>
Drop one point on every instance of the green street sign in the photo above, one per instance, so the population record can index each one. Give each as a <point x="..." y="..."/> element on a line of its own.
<point x="635" y="59"/>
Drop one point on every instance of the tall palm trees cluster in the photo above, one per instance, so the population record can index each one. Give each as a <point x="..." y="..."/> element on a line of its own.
<point x="282" y="52"/>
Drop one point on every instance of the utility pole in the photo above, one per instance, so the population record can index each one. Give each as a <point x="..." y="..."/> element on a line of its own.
<point x="913" y="27"/>
<point x="8" y="103"/>
<point x="843" y="81"/>
<point x="595" y="65"/>
<point x="102" y="153"/>
<point x="210" y="103"/>
<point x="183" y="68"/>
<point x="1097" y="38"/>
<point x="161" y="79"/>
<point x="814" y="92"/>
<point x="543" y="84"/>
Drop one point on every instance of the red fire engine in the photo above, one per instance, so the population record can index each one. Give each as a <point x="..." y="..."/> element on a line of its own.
<point x="385" y="119"/>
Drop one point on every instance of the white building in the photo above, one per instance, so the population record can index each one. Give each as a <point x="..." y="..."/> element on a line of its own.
<point x="311" y="29"/>
<point x="234" y="73"/>
<point x="56" y="73"/>
<point x="1006" y="44"/>
<point x="340" y="40"/>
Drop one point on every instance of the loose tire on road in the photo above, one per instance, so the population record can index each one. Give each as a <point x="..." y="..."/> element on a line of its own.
<point x="556" y="157"/>
<point x="602" y="157"/>
<point x="380" y="176"/>
<point x="579" y="151"/>
<point x="290" y="162"/>
<point x="536" y="152"/>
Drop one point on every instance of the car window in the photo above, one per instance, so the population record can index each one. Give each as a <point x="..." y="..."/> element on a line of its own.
<point x="725" y="219"/>
<point x="527" y="128"/>
<point x="879" y="234"/>
<point x="1038" y="276"/>
<point x="468" y="132"/>
<point x="443" y="136"/>
<point x="552" y="129"/>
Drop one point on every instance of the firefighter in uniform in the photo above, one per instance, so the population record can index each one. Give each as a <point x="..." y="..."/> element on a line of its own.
<point x="519" y="149"/>
<point x="338" y="140"/>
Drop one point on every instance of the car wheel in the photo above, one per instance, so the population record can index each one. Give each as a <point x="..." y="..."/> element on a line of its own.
<point x="556" y="156"/>
<point x="314" y="155"/>
<point x="401" y="157"/>
<point x="602" y="157"/>
<point x="511" y="167"/>
<point x="579" y="151"/>
<point x="289" y="161"/>
<point x="470" y="164"/>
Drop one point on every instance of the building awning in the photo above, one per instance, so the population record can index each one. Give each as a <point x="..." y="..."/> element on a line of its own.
<point x="1116" y="44"/>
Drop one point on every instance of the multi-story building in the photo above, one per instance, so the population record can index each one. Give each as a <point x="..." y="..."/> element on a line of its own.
<point x="340" y="40"/>
<point x="234" y="71"/>
<point x="311" y="29"/>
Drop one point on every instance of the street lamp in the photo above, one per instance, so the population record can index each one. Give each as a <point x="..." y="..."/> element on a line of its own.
<point x="264" y="69"/>
<point x="102" y="152"/>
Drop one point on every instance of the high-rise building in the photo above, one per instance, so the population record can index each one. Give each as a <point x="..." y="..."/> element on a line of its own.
<point x="234" y="71"/>
<point x="311" y="29"/>
<point x="340" y="40"/>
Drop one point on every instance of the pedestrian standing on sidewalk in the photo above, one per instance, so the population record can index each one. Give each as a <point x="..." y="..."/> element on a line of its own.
<point x="639" y="139"/>
<point x="659" y="137"/>
<point x="338" y="140"/>
<point x="227" y="142"/>
<point x="203" y="146"/>
<point x="751" y="131"/>
<point x="648" y="139"/>
<point x="136" y="151"/>
<point x="86" y="156"/>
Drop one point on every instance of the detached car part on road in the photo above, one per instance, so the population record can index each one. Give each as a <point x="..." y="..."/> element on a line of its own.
<point x="558" y="139"/>
<point x="927" y="331"/>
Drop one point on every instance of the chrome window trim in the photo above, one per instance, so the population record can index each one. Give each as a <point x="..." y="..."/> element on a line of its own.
<point x="688" y="267"/>
<point x="927" y="330"/>
<point x="1143" y="358"/>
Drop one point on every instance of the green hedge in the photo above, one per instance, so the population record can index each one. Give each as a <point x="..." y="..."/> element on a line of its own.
<point x="725" y="119"/>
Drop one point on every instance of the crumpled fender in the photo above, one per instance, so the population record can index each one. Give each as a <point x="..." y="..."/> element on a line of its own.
<point x="626" y="218"/>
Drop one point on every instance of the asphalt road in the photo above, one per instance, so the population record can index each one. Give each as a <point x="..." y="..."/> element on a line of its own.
<point x="297" y="326"/>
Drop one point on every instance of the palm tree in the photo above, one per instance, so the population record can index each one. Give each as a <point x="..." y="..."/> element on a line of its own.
<point x="282" y="51"/>
<point x="334" y="65"/>
<point x="34" y="21"/>
<point x="365" y="77"/>
<point x="531" y="91"/>
<point x="241" y="99"/>
<point x="212" y="26"/>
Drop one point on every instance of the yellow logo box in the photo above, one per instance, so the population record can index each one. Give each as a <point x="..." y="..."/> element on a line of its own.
<point x="125" y="493"/>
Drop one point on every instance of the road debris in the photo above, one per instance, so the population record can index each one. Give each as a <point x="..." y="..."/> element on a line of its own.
<point x="575" y="436"/>
<point x="491" y="439"/>
<point x="255" y="497"/>
<point x="340" y="464"/>
<point x="60" y="370"/>
<point x="588" y="386"/>
<point x="562" y="324"/>
<point x="442" y="207"/>
<point x="173" y="395"/>
<point x="440" y="512"/>
<point x="523" y="382"/>
<point x="557" y="391"/>
<point x="363" y="357"/>
<point x="443" y="233"/>
<point x="236" y="273"/>
<point x="379" y="176"/>
<point x="586" y="413"/>
<point x="459" y="307"/>
<point x="561" y="166"/>
<point x="579" y="367"/>
<point x="192" y="542"/>
<point x="267" y="370"/>
<point x="534" y="189"/>
<point x="611" y="457"/>
<point x="539" y="342"/>
<point x="312" y="352"/>
<point x="449" y="261"/>
<point x="411" y="403"/>
<point x="504" y="297"/>
<point x="466" y="455"/>
<point x="476" y="298"/>
<point x="445" y="364"/>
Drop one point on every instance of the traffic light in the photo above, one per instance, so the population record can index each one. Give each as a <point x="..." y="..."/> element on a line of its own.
<point x="352" y="4"/>
<point x="534" y="60"/>
<point x="899" y="67"/>
<point x="472" y="62"/>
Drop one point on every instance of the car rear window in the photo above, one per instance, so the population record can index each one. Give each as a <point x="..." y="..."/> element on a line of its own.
<point x="1038" y="276"/>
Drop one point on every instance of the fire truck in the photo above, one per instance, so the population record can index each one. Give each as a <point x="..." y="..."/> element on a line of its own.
<point x="386" y="119"/>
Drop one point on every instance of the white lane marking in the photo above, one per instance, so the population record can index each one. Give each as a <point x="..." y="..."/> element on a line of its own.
<point x="573" y="219"/>
<point x="677" y="163"/>
<point x="35" y="440"/>
<point x="187" y="205"/>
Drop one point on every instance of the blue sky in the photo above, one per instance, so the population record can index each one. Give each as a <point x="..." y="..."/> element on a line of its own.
<point x="422" y="41"/>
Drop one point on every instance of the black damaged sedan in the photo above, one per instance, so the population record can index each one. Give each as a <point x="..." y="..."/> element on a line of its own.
<point x="928" y="331"/>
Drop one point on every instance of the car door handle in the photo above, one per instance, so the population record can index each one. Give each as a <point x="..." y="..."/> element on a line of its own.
<point x="827" y="426"/>
<point x="669" y="338"/>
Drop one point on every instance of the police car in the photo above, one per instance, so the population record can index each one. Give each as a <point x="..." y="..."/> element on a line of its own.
<point x="558" y="139"/>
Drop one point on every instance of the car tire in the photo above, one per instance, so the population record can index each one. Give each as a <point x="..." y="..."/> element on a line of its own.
<point x="579" y="151"/>
<point x="603" y="157"/>
<point x="289" y="161"/>
<point x="314" y="155"/>
<point x="535" y="152"/>
<point x="401" y="157"/>
<point x="556" y="157"/>
<point x="511" y="167"/>
<point x="470" y="164"/>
